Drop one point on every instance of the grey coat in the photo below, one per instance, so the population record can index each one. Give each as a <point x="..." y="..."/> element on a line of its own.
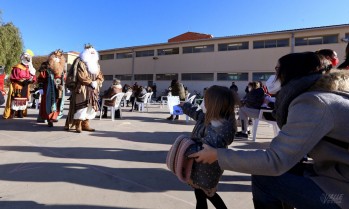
<point x="322" y="111"/>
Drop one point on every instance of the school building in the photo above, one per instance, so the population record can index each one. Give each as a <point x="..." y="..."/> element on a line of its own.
<point x="201" y="60"/>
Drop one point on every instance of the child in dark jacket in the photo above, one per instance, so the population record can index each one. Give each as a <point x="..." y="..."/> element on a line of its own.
<point x="215" y="126"/>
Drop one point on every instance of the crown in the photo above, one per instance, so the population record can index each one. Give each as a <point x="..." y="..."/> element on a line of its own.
<point x="87" y="46"/>
<point x="58" y="52"/>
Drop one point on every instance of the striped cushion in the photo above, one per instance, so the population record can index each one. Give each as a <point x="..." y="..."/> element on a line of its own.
<point x="176" y="160"/>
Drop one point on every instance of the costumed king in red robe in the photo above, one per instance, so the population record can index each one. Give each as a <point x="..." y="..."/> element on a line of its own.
<point x="22" y="75"/>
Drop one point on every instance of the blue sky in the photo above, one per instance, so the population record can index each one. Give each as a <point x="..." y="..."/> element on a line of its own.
<point x="107" y="24"/>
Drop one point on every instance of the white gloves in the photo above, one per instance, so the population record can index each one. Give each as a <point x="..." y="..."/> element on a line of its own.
<point x="40" y="91"/>
<point x="94" y="84"/>
<point x="32" y="70"/>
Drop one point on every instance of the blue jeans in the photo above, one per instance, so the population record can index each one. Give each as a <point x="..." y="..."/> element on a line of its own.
<point x="288" y="191"/>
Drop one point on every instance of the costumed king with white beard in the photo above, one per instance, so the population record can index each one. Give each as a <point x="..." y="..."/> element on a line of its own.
<point x="22" y="75"/>
<point x="84" y="80"/>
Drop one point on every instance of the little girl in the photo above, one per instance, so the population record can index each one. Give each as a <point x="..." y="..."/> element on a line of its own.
<point x="215" y="126"/>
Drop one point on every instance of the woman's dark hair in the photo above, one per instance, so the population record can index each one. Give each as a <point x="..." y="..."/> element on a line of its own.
<point x="173" y="82"/>
<point x="297" y="65"/>
<point x="325" y="52"/>
<point x="219" y="103"/>
<point x="345" y="64"/>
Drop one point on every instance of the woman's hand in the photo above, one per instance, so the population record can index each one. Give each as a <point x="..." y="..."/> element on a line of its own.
<point x="206" y="155"/>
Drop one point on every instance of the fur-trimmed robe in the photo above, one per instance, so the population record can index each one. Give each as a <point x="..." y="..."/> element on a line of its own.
<point x="84" y="95"/>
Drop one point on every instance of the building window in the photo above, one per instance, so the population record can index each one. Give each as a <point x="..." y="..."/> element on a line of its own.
<point x="271" y="43"/>
<point x="315" y="40"/>
<point x="168" y="51"/>
<point x="232" y="76"/>
<point x="198" y="49"/>
<point x="124" y="77"/>
<point x="106" y="56"/>
<point x="197" y="76"/>
<point x="167" y="77"/>
<point x="146" y="53"/>
<point x="233" y="46"/>
<point x="108" y="77"/>
<point x="123" y="55"/>
<point x="347" y="35"/>
<point x="261" y="76"/>
<point x="144" y="77"/>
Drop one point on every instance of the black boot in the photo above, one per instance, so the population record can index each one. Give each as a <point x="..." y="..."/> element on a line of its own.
<point x="170" y="118"/>
<point x="105" y="112"/>
<point x="20" y="113"/>
<point x="177" y="117"/>
<point x="117" y="113"/>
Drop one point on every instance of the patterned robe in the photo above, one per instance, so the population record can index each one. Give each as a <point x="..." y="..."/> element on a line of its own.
<point x="52" y="100"/>
<point x="84" y="99"/>
<point x="18" y="94"/>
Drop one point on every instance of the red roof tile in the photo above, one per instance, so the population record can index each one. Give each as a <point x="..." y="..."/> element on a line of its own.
<point x="189" y="36"/>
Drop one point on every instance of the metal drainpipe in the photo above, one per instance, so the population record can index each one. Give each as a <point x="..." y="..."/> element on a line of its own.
<point x="133" y="66"/>
<point x="292" y="42"/>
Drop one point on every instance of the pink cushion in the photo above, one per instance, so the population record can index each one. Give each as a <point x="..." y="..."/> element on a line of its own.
<point x="176" y="160"/>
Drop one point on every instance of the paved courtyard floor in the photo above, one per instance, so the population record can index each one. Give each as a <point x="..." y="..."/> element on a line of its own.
<point x="121" y="165"/>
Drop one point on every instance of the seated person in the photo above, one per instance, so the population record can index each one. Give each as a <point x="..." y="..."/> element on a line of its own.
<point x="138" y="96"/>
<point x="113" y="89"/>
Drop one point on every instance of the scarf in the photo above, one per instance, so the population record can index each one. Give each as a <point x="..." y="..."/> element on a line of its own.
<point x="51" y="94"/>
<point x="288" y="93"/>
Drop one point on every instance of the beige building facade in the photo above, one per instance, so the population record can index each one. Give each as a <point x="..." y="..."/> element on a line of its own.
<point x="202" y="63"/>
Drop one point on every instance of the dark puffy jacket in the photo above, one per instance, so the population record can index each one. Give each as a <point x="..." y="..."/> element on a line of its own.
<point x="255" y="98"/>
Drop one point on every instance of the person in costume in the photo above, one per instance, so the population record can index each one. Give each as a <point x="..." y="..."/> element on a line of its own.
<point x="84" y="80"/>
<point x="51" y="87"/>
<point x="22" y="75"/>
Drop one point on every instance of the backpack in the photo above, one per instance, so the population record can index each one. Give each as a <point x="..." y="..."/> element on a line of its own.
<point x="70" y="82"/>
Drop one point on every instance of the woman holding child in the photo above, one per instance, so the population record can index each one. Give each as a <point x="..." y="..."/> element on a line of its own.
<point x="312" y="111"/>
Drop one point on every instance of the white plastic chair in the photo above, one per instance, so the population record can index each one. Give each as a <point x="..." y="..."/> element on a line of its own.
<point x="187" y="96"/>
<point x="144" y="103"/>
<point x="116" y="106"/>
<point x="150" y="96"/>
<point x="163" y="101"/>
<point x="190" y="99"/>
<point x="37" y="101"/>
<point x="172" y="101"/>
<point x="261" y="118"/>
<point x="127" y="97"/>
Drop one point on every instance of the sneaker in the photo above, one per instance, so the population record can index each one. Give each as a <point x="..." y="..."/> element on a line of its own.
<point x="241" y="135"/>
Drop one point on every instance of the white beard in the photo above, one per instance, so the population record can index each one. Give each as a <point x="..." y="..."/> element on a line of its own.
<point x="93" y="67"/>
<point x="90" y="57"/>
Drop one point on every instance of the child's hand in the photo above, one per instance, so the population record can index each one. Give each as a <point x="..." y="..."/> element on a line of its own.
<point x="206" y="155"/>
<point x="181" y="104"/>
